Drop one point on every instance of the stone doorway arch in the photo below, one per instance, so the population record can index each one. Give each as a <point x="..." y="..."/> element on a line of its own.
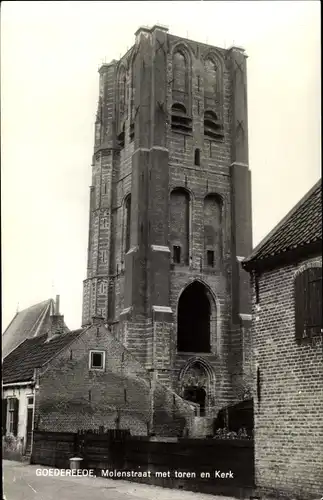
<point x="197" y="385"/>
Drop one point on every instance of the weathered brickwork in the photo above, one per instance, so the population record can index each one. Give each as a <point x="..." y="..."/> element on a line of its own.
<point x="70" y="396"/>
<point x="289" y="398"/>
<point x="171" y="132"/>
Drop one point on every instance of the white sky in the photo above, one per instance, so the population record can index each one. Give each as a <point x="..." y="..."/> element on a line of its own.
<point x="50" y="54"/>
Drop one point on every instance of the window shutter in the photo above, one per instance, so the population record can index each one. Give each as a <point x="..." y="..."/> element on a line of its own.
<point x="300" y="304"/>
<point x="4" y="416"/>
<point x="315" y="299"/>
<point x="15" y="417"/>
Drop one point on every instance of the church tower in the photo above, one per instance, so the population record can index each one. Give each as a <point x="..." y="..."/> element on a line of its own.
<point x="170" y="214"/>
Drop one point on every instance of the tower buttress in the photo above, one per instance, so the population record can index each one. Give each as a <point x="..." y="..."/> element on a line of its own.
<point x="97" y="284"/>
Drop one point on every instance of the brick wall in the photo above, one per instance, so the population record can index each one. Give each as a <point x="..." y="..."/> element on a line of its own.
<point x="72" y="397"/>
<point x="288" y="417"/>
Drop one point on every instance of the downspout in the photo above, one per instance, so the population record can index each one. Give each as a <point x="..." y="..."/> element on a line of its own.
<point x="35" y="393"/>
<point x="153" y="379"/>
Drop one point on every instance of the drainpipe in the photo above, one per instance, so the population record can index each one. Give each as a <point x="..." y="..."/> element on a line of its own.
<point x="35" y="394"/>
<point x="153" y="379"/>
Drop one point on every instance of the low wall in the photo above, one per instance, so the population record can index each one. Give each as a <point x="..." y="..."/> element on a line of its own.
<point x="189" y="464"/>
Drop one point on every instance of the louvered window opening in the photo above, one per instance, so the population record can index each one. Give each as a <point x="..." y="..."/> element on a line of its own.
<point x="180" y="121"/>
<point x="213" y="128"/>
<point x="308" y="303"/>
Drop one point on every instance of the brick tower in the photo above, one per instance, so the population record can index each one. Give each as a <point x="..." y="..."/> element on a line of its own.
<point x="170" y="214"/>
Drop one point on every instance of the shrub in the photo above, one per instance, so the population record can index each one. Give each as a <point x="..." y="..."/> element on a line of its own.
<point x="12" y="447"/>
<point x="226" y="434"/>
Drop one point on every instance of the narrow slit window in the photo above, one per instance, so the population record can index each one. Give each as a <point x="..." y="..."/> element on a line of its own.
<point x="257" y="288"/>
<point x="197" y="158"/>
<point x="210" y="258"/>
<point x="176" y="254"/>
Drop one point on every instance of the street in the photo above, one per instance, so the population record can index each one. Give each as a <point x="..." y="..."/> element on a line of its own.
<point x="22" y="483"/>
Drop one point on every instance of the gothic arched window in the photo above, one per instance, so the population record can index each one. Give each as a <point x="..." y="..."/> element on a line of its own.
<point x="122" y="91"/>
<point x="179" y="225"/>
<point x="180" y="72"/>
<point x="194" y="319"/>
<point x="212" y="230"/>
<point x="210" y="80"/>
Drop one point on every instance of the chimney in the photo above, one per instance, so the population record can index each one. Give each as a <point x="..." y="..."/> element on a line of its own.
<point x="57" y="306"/>
<point x="57" y="325"/>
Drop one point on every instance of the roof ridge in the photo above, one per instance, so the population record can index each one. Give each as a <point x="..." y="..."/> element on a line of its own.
<point x="40" y="318"/>
<point x="10" y="322"/>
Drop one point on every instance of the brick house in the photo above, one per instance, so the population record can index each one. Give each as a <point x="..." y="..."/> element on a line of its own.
<point x="82" y="379"/>
<point x="170" y="215"/>
<point x="286" y="270"/>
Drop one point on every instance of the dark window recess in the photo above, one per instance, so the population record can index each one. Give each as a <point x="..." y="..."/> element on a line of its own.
<point x="180" y="121"/>
<point x="96" y="360"/>
<point x="197" y="157"/>
<point x="213" y="128"/>
<point x="176" y="254"/>
<point x="30" y="401"/>
<point x="121" y="137"/>
<point x="132" y="132"/>
<point x="258" y="385"/>
<point x="210" y="258"/>
<point x="128" y="222"/>
<point x="256" y="278"/>
<point x="308" y="303"/>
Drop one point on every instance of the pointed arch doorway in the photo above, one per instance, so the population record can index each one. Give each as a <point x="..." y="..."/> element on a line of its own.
<point x="196" y="395"/>
<point x="197" y="385"/>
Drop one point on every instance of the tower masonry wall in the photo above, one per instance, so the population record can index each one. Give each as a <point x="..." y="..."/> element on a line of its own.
<point x="172" y="115"/>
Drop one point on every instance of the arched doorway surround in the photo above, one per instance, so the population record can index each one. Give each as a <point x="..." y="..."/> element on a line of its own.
<point x="197" y="384"/>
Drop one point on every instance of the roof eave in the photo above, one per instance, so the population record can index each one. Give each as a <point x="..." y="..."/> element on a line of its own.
<point x="18" y="383"/>
<point x="285" y="258"/>
<point x="279" y="225"/>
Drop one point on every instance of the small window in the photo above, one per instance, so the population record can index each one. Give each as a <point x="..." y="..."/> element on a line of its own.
<point x="13" y="412"/>
<point x="197" y="159"/>
<point x="100" y="312"/>
<point x="104" y="223"/>
<point x="210" y="258"/>
<point x="30" y="401"/>
<point x="103" y="256"/>
<point x="176" y="254"/>
<point x="97" y="360"/>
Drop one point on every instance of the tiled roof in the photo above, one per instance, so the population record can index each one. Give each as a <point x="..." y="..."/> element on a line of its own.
<point x="20" y="364"/>
<point x="301" y="227"/>
<point x="31" y="322"/>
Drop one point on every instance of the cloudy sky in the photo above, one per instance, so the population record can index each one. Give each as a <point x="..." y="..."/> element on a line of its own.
<point x="50" y="54"/>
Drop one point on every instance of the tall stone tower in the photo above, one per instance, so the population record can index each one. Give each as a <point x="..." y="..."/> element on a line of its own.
<point x="170" y="214"/>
